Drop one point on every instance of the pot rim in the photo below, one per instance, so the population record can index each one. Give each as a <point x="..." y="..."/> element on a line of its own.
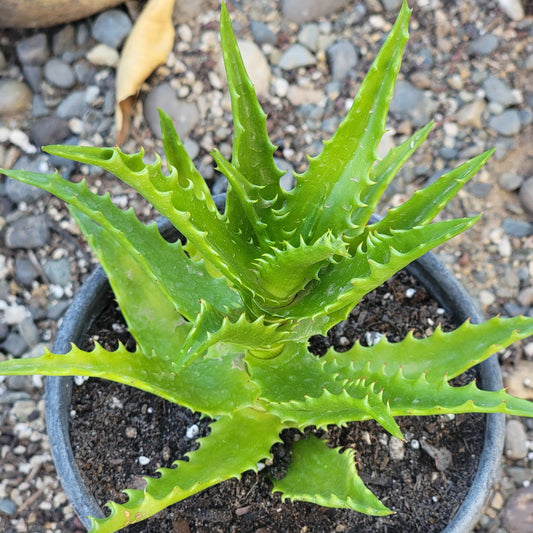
<point x="95" y="294"/>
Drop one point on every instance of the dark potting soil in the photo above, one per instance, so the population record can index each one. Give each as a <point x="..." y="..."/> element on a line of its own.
<point x="115" y="425"/>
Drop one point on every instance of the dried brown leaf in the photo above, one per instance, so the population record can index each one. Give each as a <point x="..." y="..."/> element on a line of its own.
<point x="147" y="47"/>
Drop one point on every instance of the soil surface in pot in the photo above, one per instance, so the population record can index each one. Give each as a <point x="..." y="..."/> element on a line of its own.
<point x="120" y="434"/>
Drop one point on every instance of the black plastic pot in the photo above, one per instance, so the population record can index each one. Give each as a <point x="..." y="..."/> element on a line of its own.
<point x="94" y="297"/>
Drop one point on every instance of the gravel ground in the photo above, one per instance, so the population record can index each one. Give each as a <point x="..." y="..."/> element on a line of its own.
<point x="468" y="65"/>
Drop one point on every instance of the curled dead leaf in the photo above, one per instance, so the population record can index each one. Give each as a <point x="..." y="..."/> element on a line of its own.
<point x="43" y="13"/>
<point x="147" y="47"/>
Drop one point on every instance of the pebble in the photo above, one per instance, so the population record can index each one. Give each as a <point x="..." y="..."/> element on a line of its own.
<point x="256" y="65"/>
<point x="515" y="440"/>
<point x="14" y="314"/>
<point x="525" y="296"/>
<point x="48" y="130"/>
<point x="306" y="10"/>
<point x="15" y="97"/>
<point x="512" y="8"/>
<point x="7" y="507"/>
<point x="484" y="45"/>
<point x="261" y="33"/>
<point x="308" y="36"/>
<point x="103" y="55"/>
<point x="396" y="449"/>
<point x="295" y="57"/>
<point x="64" y="40"/>
<point x="342" y="58"/>
<point x="507" y="124"/>
<point x="498" y="91"/>
<point x="517" y="228"/>
<point x="184" y="114"/>
<point x="28" y="232"/>
<point x="392" y="5"/>
<point x="510" y="181"/>
<point x="58" y="271"/>
<point x="22" y="409"/>
<point x="517" y="513"/>
<point x="74" y="105"/>
<point x="526" y="194"/>
<point x="14" y="344"/>
<point x="411" y="103"/>
<point x="33" y="50"/>
<point x="59" y="73"/>
<point x="111" y="27"/>
<point x="29" y="332"/>
<point x="471" y="114"/>
<point x="25" y="271"/>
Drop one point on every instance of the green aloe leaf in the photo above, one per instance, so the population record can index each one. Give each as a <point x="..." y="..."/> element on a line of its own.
<point x="342" y="285"/>
<point x="441" y="355"/>
<point x="381" y="175"/>
<point x="426" y="203"/>
<point x="328" y="192"/>
<point x="190" y="209"/>
<point x="252" y="149"/>
<point x="182" y="280"/>
<point x="236" y="444"/>
<point x="325" y="476"/>
<point x="225" y="386"/>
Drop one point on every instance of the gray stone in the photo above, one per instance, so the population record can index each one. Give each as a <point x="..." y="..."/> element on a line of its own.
<point x="14" y="344"/>
<point x="15" y="97"/>
<point x="25" y="272"/>
<point x="111" y="27"/>
<point x="17" y="191"/>
<point x="515" y="440"/>
<point x="7" y="507"/>
<point x="308" y="36"/>
<point x="510" y="181"/>
<point x="392" y="5"/>
<point x="85" y="72"/>
<point x="185" y="115"/>
<point x="517" y="228"/>
<point x="59" y="73"/>
<point x="74" y="105"/>
<point x="33" y="50"/>
<point x="28" y="232"/>
<point x="49" y="130"/>
<point x="507" y="124"/>
<point x="58" y="271"/>
<point x="64" y="40"/>
<point x="261" y="33"/>
<point x="287" y="181"/>
<point x="19" y="383"/>
<point x="33" y="74"/>
<point x="4" y="331"/>
<point x="38" y="107"/>
<point x="342" y="58"/>
<point x="498" y="91"/>
<point x="411" y="103"/>
<point x="526" y="194"/>
<point x="57" y="309"/>
<point x="484" y="45"/>
<point x="305" y="10"/>
<point x="29" y="332"/>
<point x="296" y="56"/>
<point x="22" y="409"/>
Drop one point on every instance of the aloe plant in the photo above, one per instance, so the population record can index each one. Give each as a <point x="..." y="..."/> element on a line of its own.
<point x="222" y="322"/>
